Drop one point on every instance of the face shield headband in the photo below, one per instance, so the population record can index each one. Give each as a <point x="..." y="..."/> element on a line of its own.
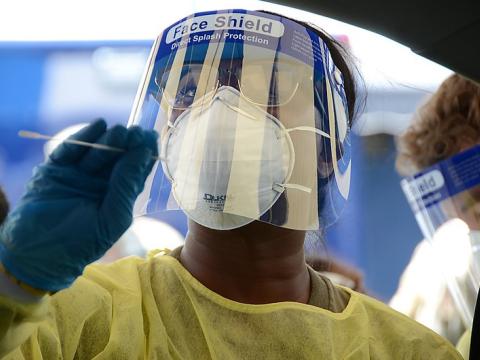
<point x="253" y="120"/>
<point x="445" y="199"/>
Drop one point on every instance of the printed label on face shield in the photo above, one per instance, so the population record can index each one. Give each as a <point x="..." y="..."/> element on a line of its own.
<point x="424" y="190"/>
<point x="424" y="185"/>
<point x="225" y="21"/>
<point x="240" y="27"/>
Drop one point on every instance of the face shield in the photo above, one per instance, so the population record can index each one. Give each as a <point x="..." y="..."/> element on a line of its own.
<point x="253" y="123"/>
<point x="445" y="199"/>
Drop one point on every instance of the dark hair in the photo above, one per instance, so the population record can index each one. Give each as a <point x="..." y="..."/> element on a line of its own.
<point x="3" y="206"/>
<point x="344" y="61"/>
<point x="353" y="82"/>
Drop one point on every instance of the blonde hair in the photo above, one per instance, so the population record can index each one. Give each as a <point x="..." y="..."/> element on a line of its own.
<point x="445" y="125"/>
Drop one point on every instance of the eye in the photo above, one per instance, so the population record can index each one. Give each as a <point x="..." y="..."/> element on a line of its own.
<point x="186" y="93"/>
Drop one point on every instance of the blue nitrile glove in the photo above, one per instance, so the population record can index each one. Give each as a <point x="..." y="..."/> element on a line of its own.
<point x="76" y="206"/>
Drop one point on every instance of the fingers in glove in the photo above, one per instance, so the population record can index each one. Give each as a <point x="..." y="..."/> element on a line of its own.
<point x="67" y="153"/>
<point x="148" y="139"/>
<point x="97" y="160"/>
<point x="127" y="181"/>
<point x="140" y="137"/>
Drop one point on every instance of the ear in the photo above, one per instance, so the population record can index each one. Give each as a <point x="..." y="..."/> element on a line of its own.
<point x="465" y="143"/>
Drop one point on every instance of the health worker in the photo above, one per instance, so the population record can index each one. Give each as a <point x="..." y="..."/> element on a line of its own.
<point x="254" y="146"/>
<point x="440" y="154"/>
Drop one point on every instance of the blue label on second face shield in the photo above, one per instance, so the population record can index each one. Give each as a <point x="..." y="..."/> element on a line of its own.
<point x="444" y="180"/>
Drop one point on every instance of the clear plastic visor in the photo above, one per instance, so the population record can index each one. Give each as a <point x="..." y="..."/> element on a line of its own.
<point x="248" y="131"/>
<point x="446" y="202"/>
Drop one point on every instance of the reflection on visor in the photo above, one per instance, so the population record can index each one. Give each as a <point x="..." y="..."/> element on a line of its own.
<point x="250" y="79"/>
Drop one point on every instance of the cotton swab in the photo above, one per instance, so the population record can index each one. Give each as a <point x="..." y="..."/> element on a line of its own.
<point x="34" y="135"/>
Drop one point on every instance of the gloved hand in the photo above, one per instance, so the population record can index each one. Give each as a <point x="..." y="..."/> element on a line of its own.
<point x="77" y="204"/>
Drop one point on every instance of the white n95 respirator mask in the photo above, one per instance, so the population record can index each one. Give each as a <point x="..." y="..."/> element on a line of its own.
<point x="208" y="146"/>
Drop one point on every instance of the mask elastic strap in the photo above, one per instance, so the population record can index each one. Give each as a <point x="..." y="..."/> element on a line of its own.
<point x="281" y="187"/>
<point x="311" y="129"/>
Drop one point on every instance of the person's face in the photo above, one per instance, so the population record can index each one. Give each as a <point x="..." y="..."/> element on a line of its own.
<point x="285" y="90"/>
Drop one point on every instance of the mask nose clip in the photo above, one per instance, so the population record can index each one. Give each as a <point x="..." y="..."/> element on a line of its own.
<point x="223" y="93"/>
<point x="220" y="96"/>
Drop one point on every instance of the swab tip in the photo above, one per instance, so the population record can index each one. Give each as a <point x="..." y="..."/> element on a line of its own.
<point x="26" y="133"/>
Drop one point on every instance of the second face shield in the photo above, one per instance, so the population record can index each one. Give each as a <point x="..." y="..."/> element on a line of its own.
<point x="253" y="123"/>
<point x="445" y="199"/>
